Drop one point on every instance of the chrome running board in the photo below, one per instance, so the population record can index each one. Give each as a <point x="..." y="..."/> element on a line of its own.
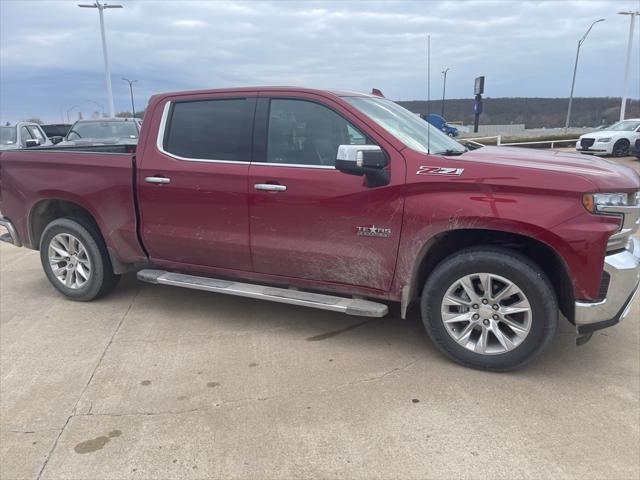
<point x="350" y="306"/>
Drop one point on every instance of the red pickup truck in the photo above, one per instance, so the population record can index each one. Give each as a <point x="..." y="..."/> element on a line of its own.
<point x="340" y="201"/>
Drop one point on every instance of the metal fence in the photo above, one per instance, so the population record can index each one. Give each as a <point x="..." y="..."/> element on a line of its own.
<point x="498" y="138"/>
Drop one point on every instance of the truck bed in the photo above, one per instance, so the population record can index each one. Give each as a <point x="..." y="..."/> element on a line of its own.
<point x="103" y="185"/>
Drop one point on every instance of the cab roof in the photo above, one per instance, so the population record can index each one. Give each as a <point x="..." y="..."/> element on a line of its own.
<point x="336" y="93"/>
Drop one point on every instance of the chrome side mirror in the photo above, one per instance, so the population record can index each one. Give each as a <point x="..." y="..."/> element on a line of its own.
<point x="368" y="160"/>
<point x="31" y="142"/>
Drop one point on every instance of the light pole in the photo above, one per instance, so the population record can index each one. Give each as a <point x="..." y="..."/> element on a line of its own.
<point x="98" y="105"/>
<point x="623" y="105"/>
<point x="131" y="82"/>
<point x="101" y="7"/>
<point x="69" y="111"/>
<point x="444" y="87"/>
<point x="575" y="68"/>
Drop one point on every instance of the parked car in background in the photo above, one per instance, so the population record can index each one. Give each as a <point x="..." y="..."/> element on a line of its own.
<point x="22" y="135"/>
<point x="616" y="140"/>
<point x="104" y="131"/>
<point x="638" y="148"/>
<point x="280" y="193"/>
<point x="441" y="124"/>
<point x="56" y="131"/>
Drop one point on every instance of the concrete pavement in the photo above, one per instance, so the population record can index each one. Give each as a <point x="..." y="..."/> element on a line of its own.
<point x="160" y="382"/>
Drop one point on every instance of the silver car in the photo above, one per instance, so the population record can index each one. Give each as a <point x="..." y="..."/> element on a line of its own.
<point x="22" y="135"/>
<point x="103" y="131"/>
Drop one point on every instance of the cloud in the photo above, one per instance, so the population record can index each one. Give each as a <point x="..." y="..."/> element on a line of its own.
<point x="54" y="58"/>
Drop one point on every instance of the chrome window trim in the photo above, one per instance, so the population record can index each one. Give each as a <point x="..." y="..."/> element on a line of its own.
<point x="160" y="141"/>
<point x="160" y="147"/>
<point x="295" y="165"/>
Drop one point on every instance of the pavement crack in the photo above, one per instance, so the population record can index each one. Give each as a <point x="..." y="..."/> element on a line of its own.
<point x="29" y="431"/>
<point x="95" y="369"/>
<point x="147" y="414"/>
<point x="376" y="377"/>
<point x="106" y="348"/>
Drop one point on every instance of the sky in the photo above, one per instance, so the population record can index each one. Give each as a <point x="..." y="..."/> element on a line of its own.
<point x="51" y="55"/>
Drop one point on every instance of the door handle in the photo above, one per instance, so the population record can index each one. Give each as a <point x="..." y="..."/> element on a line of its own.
<point x="270" y="187"/>
<point x="159" y="180"/>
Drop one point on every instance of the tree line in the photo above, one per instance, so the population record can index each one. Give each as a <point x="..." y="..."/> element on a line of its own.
<point x="533" y="112"/>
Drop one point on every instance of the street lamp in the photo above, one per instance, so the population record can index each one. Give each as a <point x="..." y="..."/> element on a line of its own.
<point x="575" y="68"/>
<point x="69" y="111"/>
<point x="101" y="7"/>
<point x="623" y="106"/>
<point x="98" y="105"/>
<point x="444" y="86"/>
<point x="131" y="82"/>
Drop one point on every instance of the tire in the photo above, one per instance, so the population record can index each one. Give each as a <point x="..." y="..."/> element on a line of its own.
<point x="503" y="266"/>
<point x="621" y="148"/>
<point x="90" y="274"/>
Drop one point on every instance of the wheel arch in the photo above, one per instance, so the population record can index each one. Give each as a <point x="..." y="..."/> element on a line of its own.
<point x="46" y="210"/>
<point x="442" y="245"/>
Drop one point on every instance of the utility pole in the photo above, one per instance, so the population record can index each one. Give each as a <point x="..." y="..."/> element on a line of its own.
<point x="101" y="7"/>
<point x="623" y="105"/>
<point x="131" y="82"/>
<point x="444" y="87"/>
<point x="575" y="69"/>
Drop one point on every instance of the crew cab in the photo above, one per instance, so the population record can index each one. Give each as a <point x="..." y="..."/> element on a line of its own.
<point x="339" y="201"/>
<point x="22" y="135"/>
<point x="104" y="131"/>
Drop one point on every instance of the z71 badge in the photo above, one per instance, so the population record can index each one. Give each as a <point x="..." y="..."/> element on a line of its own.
<point x="424" y="170"/>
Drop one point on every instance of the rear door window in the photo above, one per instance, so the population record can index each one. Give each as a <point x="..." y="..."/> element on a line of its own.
<point x="217" y="129"/>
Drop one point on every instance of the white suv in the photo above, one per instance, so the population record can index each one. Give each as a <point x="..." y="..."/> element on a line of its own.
<point x="616" y="140"/>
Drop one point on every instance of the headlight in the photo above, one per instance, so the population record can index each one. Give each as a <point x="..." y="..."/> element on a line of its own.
<point x="600" y="202"/>
<point x="625" y="206"/>
<point x="603" y="140"/>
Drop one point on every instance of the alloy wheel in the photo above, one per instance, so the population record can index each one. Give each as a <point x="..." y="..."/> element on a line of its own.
<point x="486" y="313"/>
<point x="69" y="261"/>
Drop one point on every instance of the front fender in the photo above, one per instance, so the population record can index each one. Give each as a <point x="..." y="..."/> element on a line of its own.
<point x="578" y="239"/>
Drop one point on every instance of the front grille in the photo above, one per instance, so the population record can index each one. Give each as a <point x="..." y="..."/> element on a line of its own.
<point x="587" y="142"/>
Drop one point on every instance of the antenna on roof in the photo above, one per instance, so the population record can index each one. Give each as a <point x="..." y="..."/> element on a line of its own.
<point x="377" y="92"/>
<point x="428" y="93"/>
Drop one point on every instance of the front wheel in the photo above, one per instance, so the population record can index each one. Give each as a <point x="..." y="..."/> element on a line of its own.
<point x="621" y="148"/>
<point x="489" y="308"/>
<point x="75" y="259"/>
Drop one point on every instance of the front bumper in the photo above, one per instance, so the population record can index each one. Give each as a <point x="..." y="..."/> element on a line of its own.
<point x="12" y="235"/>
<point x="596" y="150"/>
<point x="624" y="270"/>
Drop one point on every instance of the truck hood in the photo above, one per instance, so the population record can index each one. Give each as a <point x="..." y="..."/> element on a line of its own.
<point x="605" y="175"/>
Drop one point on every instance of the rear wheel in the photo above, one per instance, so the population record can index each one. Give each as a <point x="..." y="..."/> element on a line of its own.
<point x="621" y="148"/>
<point x="489" y="308"/>
<point x="75" y="259"/>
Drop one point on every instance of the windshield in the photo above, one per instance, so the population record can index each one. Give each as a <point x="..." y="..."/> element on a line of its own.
<point x="407" y="127"/>
<point x="625" y="126"/>
<point x="8" y="135"/>
<point x="103" y="130"/>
